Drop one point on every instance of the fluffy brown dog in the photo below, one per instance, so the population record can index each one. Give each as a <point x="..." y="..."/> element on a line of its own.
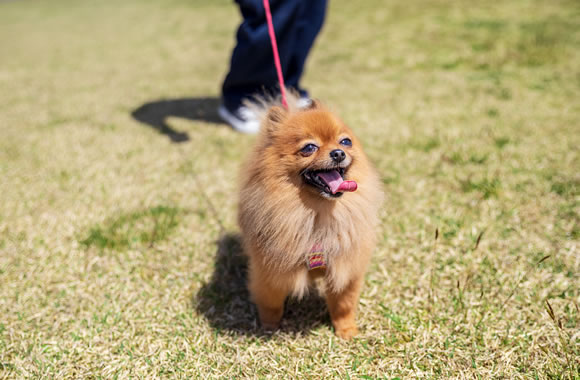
<point x="302" y="216"/>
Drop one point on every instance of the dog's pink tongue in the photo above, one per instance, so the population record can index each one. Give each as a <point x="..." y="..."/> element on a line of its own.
<point x="348" y="186"/>
<point x="336" y="183"/>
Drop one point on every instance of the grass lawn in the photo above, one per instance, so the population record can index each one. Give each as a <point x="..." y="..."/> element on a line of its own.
<point x="119" y="252"/>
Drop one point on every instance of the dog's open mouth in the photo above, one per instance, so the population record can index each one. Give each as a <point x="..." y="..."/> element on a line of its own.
<point x="331" y="182"/>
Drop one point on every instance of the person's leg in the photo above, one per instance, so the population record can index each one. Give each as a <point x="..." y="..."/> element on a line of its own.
<point x="252" y="69"/>
<point x="306" y="30"/>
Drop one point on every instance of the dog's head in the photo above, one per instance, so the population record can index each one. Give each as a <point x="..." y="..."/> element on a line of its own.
<point x="316" y="150"/>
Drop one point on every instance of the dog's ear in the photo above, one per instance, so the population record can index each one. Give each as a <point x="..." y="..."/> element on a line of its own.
<point x="274" y="118"/>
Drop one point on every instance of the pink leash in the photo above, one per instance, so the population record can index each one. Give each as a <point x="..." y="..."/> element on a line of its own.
<point x="275" y="51"/>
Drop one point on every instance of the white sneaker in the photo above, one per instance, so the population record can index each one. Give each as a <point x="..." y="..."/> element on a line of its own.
<point x="303" y="103"/>
<point x="243" y="119"/>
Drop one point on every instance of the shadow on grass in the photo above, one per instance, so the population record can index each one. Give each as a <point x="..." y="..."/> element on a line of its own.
<point x="225" y="301"/>
<point x="154" y="114"/>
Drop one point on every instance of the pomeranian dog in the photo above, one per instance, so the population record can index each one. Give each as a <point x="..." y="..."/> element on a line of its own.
<point x="307" y="210"/>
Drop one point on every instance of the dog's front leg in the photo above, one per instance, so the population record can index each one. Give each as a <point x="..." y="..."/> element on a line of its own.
<point x="342" y="306"/>
<point x="268" y="295"/>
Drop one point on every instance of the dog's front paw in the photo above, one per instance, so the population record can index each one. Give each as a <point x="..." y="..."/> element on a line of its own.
<point x="346" y="332"/>
<point x="270" y="326"/>
<point x="270" y="317"/>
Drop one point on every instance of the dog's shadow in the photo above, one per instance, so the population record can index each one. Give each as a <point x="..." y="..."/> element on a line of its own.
<point x="154" y="114"/>
<point x="225" y="302"/>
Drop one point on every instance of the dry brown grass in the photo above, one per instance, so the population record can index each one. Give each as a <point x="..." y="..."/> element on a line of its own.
<point x="469" y="110"/>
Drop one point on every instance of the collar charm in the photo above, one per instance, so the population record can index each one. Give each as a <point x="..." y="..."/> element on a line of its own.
<point x="316" y="258"/>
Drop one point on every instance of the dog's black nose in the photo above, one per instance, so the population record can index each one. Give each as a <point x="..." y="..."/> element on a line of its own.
<point x="338" y="155"/>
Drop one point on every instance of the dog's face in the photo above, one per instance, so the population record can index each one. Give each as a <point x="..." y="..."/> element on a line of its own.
<point x="315" y="149"/>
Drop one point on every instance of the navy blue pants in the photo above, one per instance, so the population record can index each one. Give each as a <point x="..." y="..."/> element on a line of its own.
<point x="252" y="70"/>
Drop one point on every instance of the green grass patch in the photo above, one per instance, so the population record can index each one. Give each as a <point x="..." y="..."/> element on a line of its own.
<point x="488" y="187"/>
<point x="143" y="227"/>
<point x="566" y="188"/>
<point x="460" y="158"/>
<point x="425" y="145"/>
<point x="501" y="142"/>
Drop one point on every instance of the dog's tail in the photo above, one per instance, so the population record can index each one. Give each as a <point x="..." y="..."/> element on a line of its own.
<point x="261" y="104"/>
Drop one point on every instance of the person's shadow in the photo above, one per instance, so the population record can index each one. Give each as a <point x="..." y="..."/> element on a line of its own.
<point x="154" y="114"/>
<point x="224" y="301"/>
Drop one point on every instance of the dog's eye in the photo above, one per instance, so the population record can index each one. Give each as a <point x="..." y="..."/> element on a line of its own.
<point x="308" y="149"/>
<point x="346" y="142"/>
